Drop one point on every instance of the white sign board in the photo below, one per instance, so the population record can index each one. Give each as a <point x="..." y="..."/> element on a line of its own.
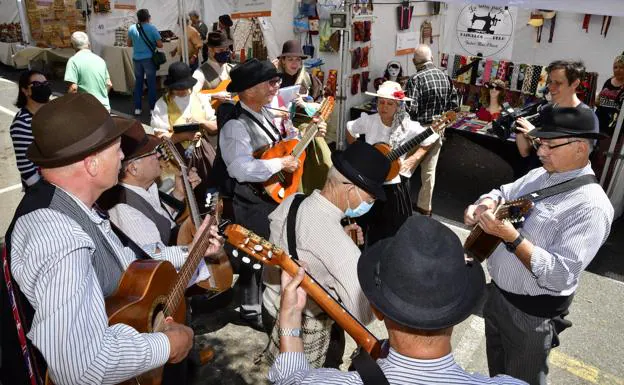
<point x="245" y="9"/>
<point x="485" y="30"/>
<point x="406" y="43"/>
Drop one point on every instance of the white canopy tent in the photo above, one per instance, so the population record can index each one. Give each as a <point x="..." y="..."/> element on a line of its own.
<point x="9" y="12"/>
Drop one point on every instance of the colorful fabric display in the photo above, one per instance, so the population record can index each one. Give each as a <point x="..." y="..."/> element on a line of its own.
<point x="367" y="30"/>
<point x="365" y="80"/>
<point x="358" y="31"/>
<point x="513" y="82"/>
<point x="542" y="83"/>
<point x="356" y="56"/>
<point x="355" y="83"/>
<point x="404" y="16"/>
<point x="526" y="78"/>
<point x="487" y="71"/>
<point x="535" y="77"/>
<point x="455" y="66"/>
<point x="364" y="57"/>
<point x="493" y="70"/>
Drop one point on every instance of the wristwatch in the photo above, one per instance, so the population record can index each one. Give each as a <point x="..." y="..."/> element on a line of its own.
<point x="511" y="246"/>
<point x="285" y="332"/>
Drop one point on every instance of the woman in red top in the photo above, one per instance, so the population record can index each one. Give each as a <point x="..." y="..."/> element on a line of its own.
<point x="492" y="97"/>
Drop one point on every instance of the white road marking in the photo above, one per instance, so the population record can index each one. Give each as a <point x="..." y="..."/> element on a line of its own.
<point x="8" y="111"/>
<point x="10" y="188"/>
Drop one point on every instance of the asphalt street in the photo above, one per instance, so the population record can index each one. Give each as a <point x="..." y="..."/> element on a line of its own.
<point x="590" y="353"/>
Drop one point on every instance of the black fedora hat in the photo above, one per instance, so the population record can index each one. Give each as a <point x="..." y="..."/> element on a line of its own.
<point x="179" y="77"/>
<point x="252" y="72"/>
<point x="365" y="166"/>
<point x="69" y="128"/>
<point x="135" y="141"/>
<point x="419" y="278"/>
<point x="226" y="20"/>
<point x="292" y="48"/>
<point x="567" y="122"/>
<point x="218" y="39"/>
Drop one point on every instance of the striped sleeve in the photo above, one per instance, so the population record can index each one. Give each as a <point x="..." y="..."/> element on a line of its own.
<point x="22" y="137"/>
<point x="70" y="326"/>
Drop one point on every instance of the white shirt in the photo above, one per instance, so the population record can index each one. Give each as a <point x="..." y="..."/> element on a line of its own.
<point x="376" y="131"/>
<point x="160" y="117"/>
<point x="237" y="152"/>
<point x="144" y="232"/>
<point x="222" y="69"/>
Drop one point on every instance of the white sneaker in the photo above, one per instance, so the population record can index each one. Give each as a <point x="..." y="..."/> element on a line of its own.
<point x="138" y="112"/>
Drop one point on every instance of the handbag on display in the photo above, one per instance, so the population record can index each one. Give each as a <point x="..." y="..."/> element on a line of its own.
<point x="314" y="25"/>
<point x="159" y="58"/>
<point x="301" y="24"/>
<point x="307" y="8"/>
<point x="308" y="47"/>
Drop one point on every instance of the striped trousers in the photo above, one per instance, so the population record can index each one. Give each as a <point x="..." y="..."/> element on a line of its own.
<point x="517" y="343"/>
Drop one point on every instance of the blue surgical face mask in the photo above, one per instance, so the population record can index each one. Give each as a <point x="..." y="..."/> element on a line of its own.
<point x="362" y="208"/>
<point x="222" y="57"/>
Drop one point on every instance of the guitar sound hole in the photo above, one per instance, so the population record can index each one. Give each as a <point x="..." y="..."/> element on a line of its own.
<point x="157" y="314"/>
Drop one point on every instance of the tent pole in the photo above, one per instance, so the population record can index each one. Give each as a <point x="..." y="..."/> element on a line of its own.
<point x="182" y="18"/>
<point x="24" y="22"/>
<point x="614" y="139"/>
<point x="341" y="94"/>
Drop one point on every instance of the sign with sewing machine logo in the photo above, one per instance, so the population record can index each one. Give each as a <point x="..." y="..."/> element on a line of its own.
<point x="485" y="30"/>
<point x="246" y="9"/>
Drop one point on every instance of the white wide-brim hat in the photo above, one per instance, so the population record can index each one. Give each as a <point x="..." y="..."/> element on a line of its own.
<point x="391" y="90"/>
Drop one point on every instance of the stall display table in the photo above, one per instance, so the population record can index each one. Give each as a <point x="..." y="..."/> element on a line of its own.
<point x="47" y="56"/>
<point x="7" y="50"/>
<point x="121" y="68"/>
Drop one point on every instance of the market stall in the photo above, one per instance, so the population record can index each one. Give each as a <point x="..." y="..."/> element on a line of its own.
<point x="10" y="31"/>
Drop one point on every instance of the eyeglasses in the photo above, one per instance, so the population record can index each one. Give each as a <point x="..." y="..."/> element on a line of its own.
<point x="493" y="86"/>
<point x="537" y="143"/>
<point x="275" y="82"/>
<point x="36" y="83"/>
<point x="158" y="150"/>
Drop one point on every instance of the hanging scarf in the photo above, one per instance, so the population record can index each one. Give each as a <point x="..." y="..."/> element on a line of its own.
<point x="398" y="131"/>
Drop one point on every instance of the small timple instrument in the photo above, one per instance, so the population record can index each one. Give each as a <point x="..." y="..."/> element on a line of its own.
<point x="283" y="184"/>
<point x="480" y="245"/>
<point x="394" y="154"/>
<point x="265" y="252"/>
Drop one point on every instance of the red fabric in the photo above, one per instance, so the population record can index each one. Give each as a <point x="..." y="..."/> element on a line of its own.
<point x="485" y="115"/>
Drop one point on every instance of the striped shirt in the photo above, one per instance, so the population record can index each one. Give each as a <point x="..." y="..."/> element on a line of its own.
<point x="433" y="94"/>
<point x="144" y="232"/>
<point x="292" y="368"/>
<point x="22" y="137"/>
<point x="566" y="229"/>
<point x="51" y="263"/>
<point x="329" y="252"/>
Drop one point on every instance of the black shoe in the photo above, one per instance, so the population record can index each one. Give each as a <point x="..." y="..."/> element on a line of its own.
<point x="253" y="322"/>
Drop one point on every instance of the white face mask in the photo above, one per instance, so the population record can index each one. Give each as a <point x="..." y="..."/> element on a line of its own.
<point x="393" y="72"/>
<point x="183" y="99"/>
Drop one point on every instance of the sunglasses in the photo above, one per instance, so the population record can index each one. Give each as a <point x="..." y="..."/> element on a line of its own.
<point x="38" y="83"/>
<point x="492" y="86"/>
<point x="158" y="150"/>
<point x="537" y="143"/>
<point x="275" y="82"/>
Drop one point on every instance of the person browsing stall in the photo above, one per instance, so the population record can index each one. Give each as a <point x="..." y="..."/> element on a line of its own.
<point x="536" y="270"/>
<point x="424" y="256"/>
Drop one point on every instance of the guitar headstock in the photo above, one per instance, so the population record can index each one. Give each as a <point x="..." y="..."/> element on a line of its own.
<point x="514" y="211"/>
<point x="444" y="121"/>
<point x="253" y="245"/>
<point x="327" y="106"/>
<point x="172" y="152"/>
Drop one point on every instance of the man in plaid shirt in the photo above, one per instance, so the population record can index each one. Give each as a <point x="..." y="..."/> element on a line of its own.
<point x="433" y="94"/>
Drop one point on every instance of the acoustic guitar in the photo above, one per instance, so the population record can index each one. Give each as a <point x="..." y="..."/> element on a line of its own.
<point x="216" y="100"/>
<point x="221" y="273"/>
<point x="283" y="184"/>
<point x="437" y="126"/>
<point x="480" y="245"/>
<point x="150" y="291"/>
<point x="265" y="252"/>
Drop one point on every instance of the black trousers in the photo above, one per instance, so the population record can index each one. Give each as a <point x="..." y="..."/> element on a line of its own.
<point x="251" y="210"/>
<point x="385" y="218"/>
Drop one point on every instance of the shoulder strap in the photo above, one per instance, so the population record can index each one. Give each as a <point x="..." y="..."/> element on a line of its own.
<point x="368" y="369"/>
<point x="144" y="37"/>
<point x="270" y="134"/>
<point x="291" y="223"/>
<point x="560" y="188"/>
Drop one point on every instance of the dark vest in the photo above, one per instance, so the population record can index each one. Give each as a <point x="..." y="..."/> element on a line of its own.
<point x="120" y="194"/>
<point x="44" y="195"/>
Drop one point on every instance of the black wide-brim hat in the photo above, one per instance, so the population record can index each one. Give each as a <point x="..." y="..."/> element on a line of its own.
<point x="292" y="48"/>
<point x="419" y="278"/>
<point x="179" y="77"/>
<point x="250" y="73"/>
<point x="567" y="122"/>
<point x="69" y="128"/>
<point x="365" y="166"/>
<point x="217" y="39"/>
<point x="135" y="141"/>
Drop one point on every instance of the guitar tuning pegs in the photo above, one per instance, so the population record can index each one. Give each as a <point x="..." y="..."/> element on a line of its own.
<point x="208" y="200"/>
<point x="246" y="260"/>
<point x="235" y="253"/>
<point x="256" y="266"/>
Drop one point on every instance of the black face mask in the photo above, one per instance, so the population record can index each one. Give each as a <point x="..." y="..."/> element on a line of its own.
<point x="40" y="93"/>
<point x="222" y="57"/>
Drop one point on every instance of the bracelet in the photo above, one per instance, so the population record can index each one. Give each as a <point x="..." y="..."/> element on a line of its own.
<point x="286" y="332"/>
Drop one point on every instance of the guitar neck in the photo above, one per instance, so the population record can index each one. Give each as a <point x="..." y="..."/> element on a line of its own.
<point x="324" y="111"/>
<point x="196" y="254"/>
<point x="335" y="310"/>
<point x="410" y="144"/>
<point x="191" y="201"/>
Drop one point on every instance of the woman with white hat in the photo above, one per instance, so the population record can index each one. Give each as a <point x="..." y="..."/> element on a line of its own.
<point x="392" y="125"/>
